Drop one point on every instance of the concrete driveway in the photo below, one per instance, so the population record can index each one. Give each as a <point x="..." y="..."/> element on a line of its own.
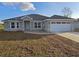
<point x="70" y="35"/>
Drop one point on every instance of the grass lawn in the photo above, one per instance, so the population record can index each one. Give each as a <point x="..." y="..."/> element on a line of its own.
<point x="24" y="44"/>
<point x="1" y="26"/>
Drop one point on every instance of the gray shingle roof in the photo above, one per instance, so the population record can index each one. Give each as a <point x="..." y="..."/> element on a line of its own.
<point x="31" y="16"/>
<point x="38" y="17"/>
<point x="59" y="17"/>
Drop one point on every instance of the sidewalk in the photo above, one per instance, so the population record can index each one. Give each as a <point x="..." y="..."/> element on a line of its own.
<point x="70" y="35"/>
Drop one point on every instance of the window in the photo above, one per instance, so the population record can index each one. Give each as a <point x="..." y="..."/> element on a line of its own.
<point x="58" y="22"/>
<point x="12" y="25"/>
<point x="53" y="22"/>
<point x="17" y="25"/>
<point x="37" y="24"/>
<point x="63" y="22"/>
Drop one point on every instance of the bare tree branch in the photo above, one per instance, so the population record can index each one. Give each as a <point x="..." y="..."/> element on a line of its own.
<point x="67" y="12"/>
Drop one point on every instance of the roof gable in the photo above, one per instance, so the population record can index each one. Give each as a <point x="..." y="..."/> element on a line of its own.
<point x="30" y="16"/>
<point x="37" y="17"/>
<point x="59" y="17"/>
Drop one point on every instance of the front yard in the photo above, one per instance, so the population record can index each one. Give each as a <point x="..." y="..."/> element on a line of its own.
<point x="24" y="44"/>
<point x="1" y="26"/>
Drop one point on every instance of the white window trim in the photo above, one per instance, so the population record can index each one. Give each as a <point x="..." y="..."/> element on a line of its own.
<point x="18" y="25"/>
<point x="15" y="24"/>
<point x="11" y="25"/>
<point x="61" y="22"/>
<point x="37" y="25"/>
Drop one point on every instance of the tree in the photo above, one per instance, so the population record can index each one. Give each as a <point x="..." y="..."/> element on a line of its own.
<point x="67" y="12"/>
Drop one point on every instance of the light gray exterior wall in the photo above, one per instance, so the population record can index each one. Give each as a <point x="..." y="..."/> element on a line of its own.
<point x="33" y="25"/>
<point x="7" y="26"/>
<point x="48" y="23"/>
<point x="45" y="25"/>
<point x="76" y="25"/>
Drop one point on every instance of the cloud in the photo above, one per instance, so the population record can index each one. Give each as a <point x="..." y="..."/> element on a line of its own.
<point x="8" y="3"/>
<point x="24" y="6"/>
<point x="27" y="6"/>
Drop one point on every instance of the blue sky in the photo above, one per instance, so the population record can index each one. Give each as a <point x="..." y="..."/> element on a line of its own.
<point x="8" y="10"/>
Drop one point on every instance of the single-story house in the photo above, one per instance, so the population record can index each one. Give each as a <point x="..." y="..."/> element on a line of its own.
<point x="36" y="22"/>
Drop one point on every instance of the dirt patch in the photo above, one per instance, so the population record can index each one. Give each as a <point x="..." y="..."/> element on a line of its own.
<point x="24" y="44"/>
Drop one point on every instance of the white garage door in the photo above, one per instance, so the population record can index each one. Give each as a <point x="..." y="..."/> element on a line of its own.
<point x="60" y="27"/>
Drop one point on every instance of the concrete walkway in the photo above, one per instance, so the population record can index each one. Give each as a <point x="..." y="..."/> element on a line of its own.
<point x="37" y="32"/>
<point x="70" y="35"/>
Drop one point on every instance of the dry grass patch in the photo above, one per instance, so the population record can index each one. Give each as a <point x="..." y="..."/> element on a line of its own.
<point x="1" y="26"/>
<point x="24" y="44"/>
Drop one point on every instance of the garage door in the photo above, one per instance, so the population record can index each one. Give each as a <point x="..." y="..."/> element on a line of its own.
<point x="60" y="27"/>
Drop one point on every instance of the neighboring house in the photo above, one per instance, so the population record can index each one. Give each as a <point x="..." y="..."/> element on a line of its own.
<point x="36" y="22"/>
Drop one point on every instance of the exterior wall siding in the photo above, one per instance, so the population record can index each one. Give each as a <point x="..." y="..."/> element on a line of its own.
<point x="76" y="25"/>
<point x="46" y="25"/>
<point x="33" y="26"/>
<point x="55" y="27"/>
<point x="7" y="26"/>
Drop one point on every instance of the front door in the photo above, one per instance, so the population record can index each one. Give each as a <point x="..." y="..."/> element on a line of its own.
<point x="27" y="25"/>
